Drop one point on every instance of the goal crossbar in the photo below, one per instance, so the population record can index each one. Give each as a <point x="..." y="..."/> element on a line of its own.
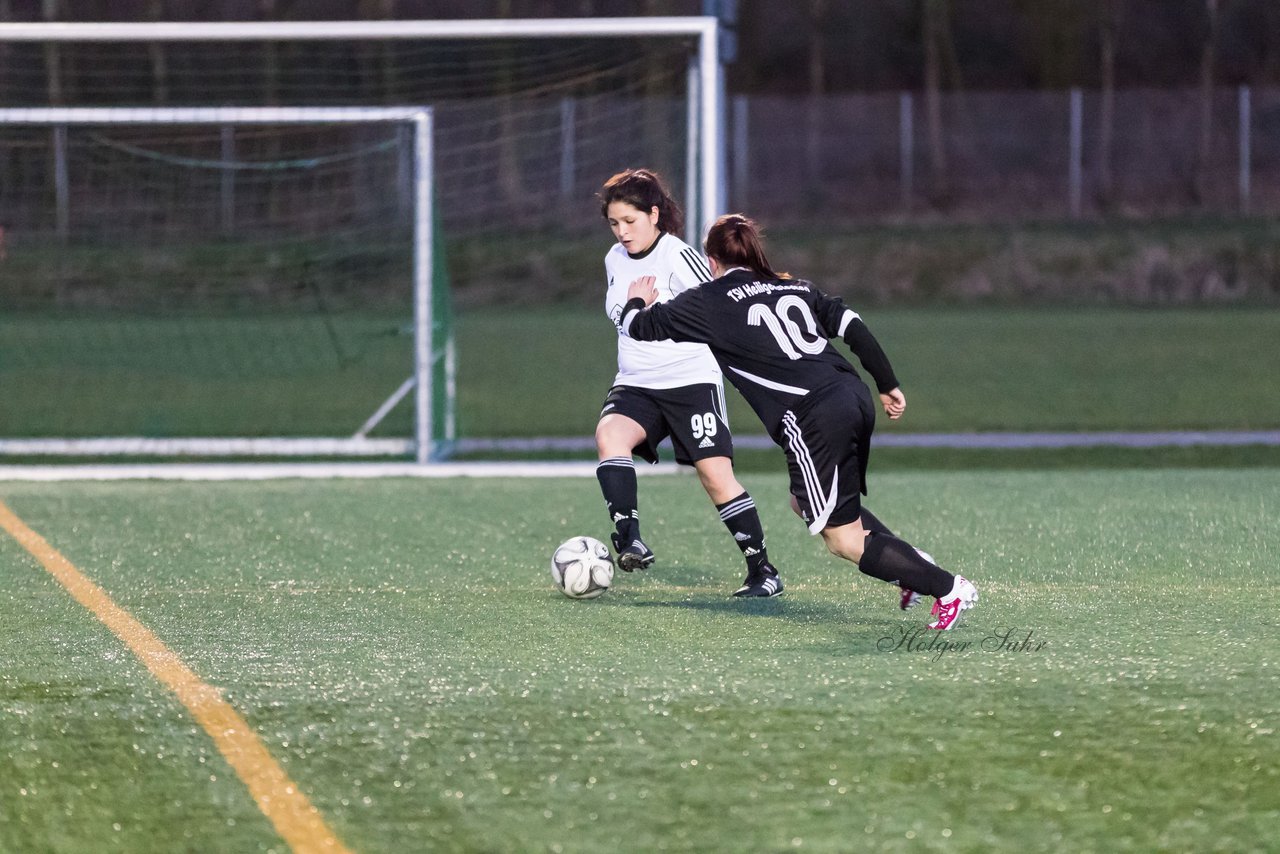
<point x="209" y="115"/>
<point x="479" y="28"/>
<point x="705" y="29"/>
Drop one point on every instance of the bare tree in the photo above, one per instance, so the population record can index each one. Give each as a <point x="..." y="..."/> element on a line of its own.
<point x="817" y="71"/>
<point x="271" y="97"/>
<point x="53" y="57"/>
<point x="509" y="179"/>
<point x="1109" y="25"/>
<point x="6" y="161"/>
<point x="933" y="29"/>
<point x="654" y="122"/>
<point x="271" y="11"/>
<point x="159" y="59"/>
<point x="1208" y="50"/>
<point x="6" y="14"/>
<point x="386" y="68"/>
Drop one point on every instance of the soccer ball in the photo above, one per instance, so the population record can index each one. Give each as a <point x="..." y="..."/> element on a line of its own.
<point x="582" y="568"/>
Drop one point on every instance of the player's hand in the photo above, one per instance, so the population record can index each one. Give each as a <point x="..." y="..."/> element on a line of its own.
<point x="895" y="403"/>
<point x="645" y="288"/>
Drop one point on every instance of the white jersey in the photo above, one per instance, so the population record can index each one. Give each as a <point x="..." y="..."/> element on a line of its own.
<point x="658" y="364"/>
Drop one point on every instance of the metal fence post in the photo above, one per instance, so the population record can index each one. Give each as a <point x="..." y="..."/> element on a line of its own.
<point x="1075" y="167"/>
<point x="906" y="148"/>
<point x="61" y="183"/>
<point x="741" y="155"/>
<point x="568" y="110"/>
<point x="1246" y="153"/>
<point x="227" y="183"/>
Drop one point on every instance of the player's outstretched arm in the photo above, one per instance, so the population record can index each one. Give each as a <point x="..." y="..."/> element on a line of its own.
<point x="865" y="346"/>
<point x="637" y="322"/>
<point x="681" y="318"/>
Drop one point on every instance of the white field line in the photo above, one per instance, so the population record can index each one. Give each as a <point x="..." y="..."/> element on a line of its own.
<point x="1009" y="440"/>
<point x="271" y="471"/>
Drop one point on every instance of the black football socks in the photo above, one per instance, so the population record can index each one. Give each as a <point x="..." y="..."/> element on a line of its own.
<point x="896" y="561"/>
<point x="617" y="476"/>
<point x="872" y="524"/>
<point x="743" y="521"/>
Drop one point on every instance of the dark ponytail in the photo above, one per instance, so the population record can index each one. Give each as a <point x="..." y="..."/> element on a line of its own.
<point x="644" y="191"/>
<point x="735" y="241"/>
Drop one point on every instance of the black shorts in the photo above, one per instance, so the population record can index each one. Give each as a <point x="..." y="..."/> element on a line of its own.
<point x="693" y="416"/>
<point x="827" y="439"/>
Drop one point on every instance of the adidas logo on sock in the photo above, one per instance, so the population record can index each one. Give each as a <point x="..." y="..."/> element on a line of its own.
<point x="750" y="552"/>
<point x="618" y="517"/>
<point x="706" y="442"/>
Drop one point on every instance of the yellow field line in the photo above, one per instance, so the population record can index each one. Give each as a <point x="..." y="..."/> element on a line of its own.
<point x="295" y="819"/>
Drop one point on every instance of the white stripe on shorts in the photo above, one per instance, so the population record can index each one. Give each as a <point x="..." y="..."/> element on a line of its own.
<point x="820" y="505"/>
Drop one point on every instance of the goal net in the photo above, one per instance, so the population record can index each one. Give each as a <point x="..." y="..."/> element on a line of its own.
<point x="241" y="280"/>
<point x="211" y="281"/>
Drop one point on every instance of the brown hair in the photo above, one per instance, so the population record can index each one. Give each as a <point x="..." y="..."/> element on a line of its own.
<point x="736" y="241"/>
<point x="643" y="190"/>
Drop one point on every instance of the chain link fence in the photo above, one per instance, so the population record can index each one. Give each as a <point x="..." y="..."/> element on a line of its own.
<point x="1005" y="156"/>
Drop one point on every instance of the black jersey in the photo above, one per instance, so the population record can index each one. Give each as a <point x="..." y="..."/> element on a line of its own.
<point x="770" y="336"/>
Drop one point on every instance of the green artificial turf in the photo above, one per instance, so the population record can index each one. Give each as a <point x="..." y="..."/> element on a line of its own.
<point x="962" y="369"/>
<point x="399" y="648"/>
<point x="544" y="372"/>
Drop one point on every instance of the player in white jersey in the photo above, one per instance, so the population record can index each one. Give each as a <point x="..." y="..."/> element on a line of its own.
<point x="663" y="388"/>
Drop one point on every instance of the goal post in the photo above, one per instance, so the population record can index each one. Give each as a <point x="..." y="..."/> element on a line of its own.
<point x="525" y="119"/>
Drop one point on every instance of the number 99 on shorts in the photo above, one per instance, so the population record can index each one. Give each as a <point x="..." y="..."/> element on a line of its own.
<point x="705" y="424"/>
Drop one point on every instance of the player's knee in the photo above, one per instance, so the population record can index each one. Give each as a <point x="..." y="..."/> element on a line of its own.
<point x="845" y="543"/>
<point x="716" y="484"/>
<point x="605" y="444"/>
<point x="603" y="439"/>
<point x="614" y="437"/>
<point x="839" y="549"/>
<point x="717" y="478"/>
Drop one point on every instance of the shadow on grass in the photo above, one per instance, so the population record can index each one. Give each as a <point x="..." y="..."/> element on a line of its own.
<point x="779" y="607"/>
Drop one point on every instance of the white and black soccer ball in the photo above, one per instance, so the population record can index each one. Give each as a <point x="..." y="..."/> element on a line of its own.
<point x="582" y="568"/>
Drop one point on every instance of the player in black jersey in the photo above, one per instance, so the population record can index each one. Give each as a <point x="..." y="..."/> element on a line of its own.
<point x="771" y="335"/>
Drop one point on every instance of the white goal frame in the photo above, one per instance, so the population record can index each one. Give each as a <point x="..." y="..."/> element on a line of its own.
<point x="418" y="119"/>
<point x="704" y="194"/>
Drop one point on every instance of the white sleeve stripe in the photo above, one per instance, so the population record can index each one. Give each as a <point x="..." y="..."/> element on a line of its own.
<point x="626" y="321"/>
<point x="849" y="317"/>
<point x="696" y="264"/>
